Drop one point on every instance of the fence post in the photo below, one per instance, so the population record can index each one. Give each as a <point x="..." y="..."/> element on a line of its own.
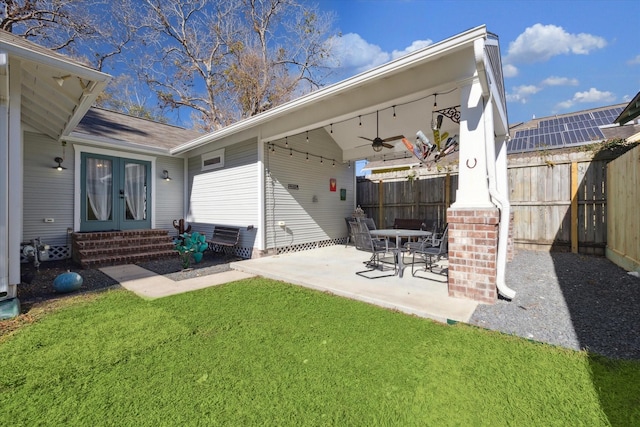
<point x="574" y="207"/>
<point x="447" y="195"/>
<point x="381" y="204"/>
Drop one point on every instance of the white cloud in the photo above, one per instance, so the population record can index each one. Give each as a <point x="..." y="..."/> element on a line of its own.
<point x="416" y="45"/>
<point x="634" y="61"/>
<point x="509" y="70"/>
<point x="559" y="81"/>
<point x="522" y="93"/>
<point x="352" y="51"/>
<point x="593" y="95"/>
<point x="540" y="43"/>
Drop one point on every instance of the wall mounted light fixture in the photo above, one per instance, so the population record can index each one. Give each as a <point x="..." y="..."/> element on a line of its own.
<point x="60" y="80"/>
<point x="59" y="161"/>
<point x="165" y="175"/>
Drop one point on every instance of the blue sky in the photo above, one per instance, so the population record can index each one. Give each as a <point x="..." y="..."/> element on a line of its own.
<point x="558" y="56"/>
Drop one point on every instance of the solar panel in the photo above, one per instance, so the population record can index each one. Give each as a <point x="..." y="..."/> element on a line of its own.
<point x="558" y="132"/>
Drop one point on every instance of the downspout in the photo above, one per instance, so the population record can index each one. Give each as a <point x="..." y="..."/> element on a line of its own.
<point x="4" y="175"/>
<point x="498" y="199"/>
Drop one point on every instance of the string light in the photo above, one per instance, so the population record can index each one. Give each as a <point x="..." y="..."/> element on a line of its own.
<point x="290" y="152"/>
<point x="321" y="159"/>
<point x="393" y="107"/>
<point x="333" y="164"/>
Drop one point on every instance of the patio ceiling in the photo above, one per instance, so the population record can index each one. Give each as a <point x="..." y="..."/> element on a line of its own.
<point x="347" y="110"/>
<point x="55" y="91"/>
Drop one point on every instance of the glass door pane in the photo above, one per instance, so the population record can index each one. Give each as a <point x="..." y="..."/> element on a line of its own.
<point x="135" y="191"/>
<point x="99" y="189"/>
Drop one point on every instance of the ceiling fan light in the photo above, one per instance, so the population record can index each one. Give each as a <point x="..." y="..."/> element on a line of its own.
<point x="377" y="148"/>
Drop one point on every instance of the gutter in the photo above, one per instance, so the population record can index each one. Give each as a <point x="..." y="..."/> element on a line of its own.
<point x="497" y="198"/>
<point x="500" y="200"/>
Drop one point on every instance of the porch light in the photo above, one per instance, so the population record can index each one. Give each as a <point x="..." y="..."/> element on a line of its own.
<point x="60" y="80"/>
<point x="165" y="175"/>
<point x="59" y="161"/>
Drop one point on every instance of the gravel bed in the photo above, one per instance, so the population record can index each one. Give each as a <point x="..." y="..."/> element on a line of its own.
<point x="569" y="300"/>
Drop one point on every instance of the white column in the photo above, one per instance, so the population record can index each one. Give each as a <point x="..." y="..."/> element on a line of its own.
<point x="473" y="190"/>
<point x="4" y="174"/>
<point x="15" y="173"/>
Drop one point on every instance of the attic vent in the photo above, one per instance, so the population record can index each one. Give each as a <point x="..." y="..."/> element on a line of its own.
<point x="213" y="160"/>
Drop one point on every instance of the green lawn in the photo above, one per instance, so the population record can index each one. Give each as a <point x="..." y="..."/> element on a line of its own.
<point x="260" y="352"/>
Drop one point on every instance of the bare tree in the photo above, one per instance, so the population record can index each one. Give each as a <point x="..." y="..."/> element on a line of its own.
<point x="77" y="28"/>
<point x="126" y="95"/>
<point x="229" y="59"/>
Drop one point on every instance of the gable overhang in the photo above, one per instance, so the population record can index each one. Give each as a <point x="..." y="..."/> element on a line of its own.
<point x="631" y="111"/>
<point x="405" y="86"/>
<point x="55" y="91"/>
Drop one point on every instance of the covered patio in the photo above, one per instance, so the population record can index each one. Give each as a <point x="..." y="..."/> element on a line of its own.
<point x="333" y="269"/>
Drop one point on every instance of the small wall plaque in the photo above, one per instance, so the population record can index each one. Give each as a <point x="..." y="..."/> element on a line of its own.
<point x="343" y="194"/>
<point x="293" y="186"/>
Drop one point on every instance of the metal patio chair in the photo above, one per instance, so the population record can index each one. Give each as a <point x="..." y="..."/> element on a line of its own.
<point x="377" y="248"/>
<point x="429" y="255"/>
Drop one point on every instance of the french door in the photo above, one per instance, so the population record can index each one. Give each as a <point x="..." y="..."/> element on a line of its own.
<point x="116" y="193"/>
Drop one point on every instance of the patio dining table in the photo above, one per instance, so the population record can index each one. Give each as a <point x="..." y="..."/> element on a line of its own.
<point x="399" y="234"/>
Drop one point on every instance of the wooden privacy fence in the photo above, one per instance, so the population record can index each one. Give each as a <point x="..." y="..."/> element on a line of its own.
<point x="557" y="204"/>
<point x="623" y="210"/>
<point x="424" y="199"/>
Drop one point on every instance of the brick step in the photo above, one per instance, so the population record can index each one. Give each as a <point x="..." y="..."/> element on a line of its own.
<point x="109" y="260"/>
<point x="124" y="250"/>
<point x="101" y="235"/>
<point x="123" y="242"/>
<point x="98" y="249"/>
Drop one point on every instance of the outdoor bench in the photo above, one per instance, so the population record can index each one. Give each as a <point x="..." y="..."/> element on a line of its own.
<point x="409" y="224"/>
<point x="224" y="236"/>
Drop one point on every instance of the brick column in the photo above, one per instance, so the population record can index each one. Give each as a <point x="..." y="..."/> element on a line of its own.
<point x="473" y="248"/>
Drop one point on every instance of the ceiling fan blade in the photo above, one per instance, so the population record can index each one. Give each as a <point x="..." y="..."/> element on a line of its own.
<point x="364" y="137"/>
<point x="384" y="144"/>
<point x="393" y="138"/>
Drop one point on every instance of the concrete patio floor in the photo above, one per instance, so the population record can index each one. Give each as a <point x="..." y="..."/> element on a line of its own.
<point x="330" y="269"/>
<point x="333" y="269"/>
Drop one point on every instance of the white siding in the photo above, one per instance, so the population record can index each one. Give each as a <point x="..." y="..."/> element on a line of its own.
<point x="48" y="193"/>
<point x="312" y="213"/>
<point x="229" y="195"/>
<point x="169" y="194"/>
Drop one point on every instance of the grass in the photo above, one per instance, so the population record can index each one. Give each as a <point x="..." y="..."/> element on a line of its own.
<point x="260" y="352"/>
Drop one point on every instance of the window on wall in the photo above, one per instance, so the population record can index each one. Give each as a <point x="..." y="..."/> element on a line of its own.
<point x="213" y="160"/>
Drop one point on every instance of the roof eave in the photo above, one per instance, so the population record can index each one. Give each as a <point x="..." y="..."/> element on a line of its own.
<point x="423" y="55"/>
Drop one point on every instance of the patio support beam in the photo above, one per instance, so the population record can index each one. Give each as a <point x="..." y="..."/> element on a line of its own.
<point x="4" y="173"/>
<point x="473" y="190"/>
<point x="15" y="198"/>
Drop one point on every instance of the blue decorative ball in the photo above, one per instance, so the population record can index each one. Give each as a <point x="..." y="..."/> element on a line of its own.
<point x="67" y="282"/>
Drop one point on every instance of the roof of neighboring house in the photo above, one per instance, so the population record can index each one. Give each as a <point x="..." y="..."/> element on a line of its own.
<point x="631" y="111"/>
<point x="563" y="130"/>
<point x="101" y="125"/>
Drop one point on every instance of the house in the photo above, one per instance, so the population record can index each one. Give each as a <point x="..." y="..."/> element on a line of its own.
<point x="285" y="177"/>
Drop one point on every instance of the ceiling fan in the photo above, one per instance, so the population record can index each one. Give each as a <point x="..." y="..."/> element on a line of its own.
<point x="377" y="142"/>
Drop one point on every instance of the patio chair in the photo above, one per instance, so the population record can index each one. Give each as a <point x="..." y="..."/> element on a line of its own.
<point x="377" y="248"/>
<point x="429" y="255"/>
<point x="350" y="237"/>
